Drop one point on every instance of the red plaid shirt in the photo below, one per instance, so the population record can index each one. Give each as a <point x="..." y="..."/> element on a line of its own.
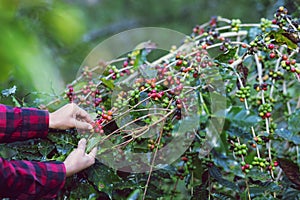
<point x="27" y="179"/>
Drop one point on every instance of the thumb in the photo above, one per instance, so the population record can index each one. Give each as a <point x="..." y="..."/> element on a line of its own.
<point x="83" y="125"/>
<point x="93" y="153"/>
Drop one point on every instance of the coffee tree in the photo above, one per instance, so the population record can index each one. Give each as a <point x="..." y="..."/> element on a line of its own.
<point x="214" y="118"/>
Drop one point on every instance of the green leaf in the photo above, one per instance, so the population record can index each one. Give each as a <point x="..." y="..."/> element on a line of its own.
<point x="288" y="135"/>
<point x="238" y="131"/>
<point x="141" y="51"/>
<point x="7" y="152"/>
<point x="258" y="175"/>
<point x="222" y="196"/>
<point x="79" y="189"/>
<point x="240" y="117"/>
<point x="138" y="59"/>
<point x="64" y="143"/>
<point x="283" y="37"/>
<point x="108" y="83"/>
<point x="134" y="195"/>
<point x="264" y="187"/>
<point x="220" y="159"/>
<point x="102" y="177"/>
<point x="79" y="86"/>
<point x="225" y="57"/>
<point x="293" y="122"/>
<point x="291" y="194"/>
<point x="216" y="174"/>
<point x="93" y="142"/>
<point x="45" y="147"/>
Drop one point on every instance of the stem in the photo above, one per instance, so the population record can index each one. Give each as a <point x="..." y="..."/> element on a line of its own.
<point x="242" y="85"/>
<point x="254" y="136"/>
<point x="284" y="87"/>
<point x="152" y="164"/>
<point x="298" y="103"/>
<point x="268" y="145"/>
<point x="273" y="81"/>
<point x="248" y="189"/>
<point x="292" y="25"/>
<point x="174" y="188"/>
<point x="297" y="153"/>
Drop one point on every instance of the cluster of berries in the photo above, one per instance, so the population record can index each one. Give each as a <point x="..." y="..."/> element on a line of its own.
<point x="265" y="110"/>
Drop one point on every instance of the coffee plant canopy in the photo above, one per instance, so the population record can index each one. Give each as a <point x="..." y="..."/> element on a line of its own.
<point x="227" y="99"/>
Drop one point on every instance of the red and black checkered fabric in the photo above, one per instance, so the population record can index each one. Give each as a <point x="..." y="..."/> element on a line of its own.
<point x="27" y="179"/>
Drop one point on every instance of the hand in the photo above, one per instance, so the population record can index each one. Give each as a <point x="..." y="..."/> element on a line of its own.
<point x="78" y="159"/>
<point x="70" y="116"/>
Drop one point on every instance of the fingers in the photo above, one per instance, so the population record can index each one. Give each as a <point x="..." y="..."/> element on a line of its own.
<point x="93" y="153"/>
<point x="89" y="158"/>
<point x="82" y="144"/>
<point x="78" y="160"/>
<point x="70" y="116"/>
<point x="82" y="114"/>
<point x="82" y="125"/>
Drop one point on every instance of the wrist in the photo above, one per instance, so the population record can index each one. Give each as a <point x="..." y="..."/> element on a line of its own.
<point x="52" y="123"/>
<point x="68" y="169"/>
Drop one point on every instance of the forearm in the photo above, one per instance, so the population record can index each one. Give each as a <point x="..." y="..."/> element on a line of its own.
<point x="22" y="123"/>
<point x="27" y="180"/>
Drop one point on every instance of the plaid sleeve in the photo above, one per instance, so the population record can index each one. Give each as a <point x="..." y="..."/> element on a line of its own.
<point x="31" y="180"/>
<point x="22" y="123"/>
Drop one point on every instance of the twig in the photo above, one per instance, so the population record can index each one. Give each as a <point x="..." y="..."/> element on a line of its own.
<point x="259" y="71"/>
<point x="152" y="165"/>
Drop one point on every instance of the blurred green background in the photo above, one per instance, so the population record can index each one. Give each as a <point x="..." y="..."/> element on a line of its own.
<point x="43" y="42"/>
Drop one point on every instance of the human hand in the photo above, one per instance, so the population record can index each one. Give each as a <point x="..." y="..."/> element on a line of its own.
<point x="78" y="159"/>
<point x="70" y="116"/>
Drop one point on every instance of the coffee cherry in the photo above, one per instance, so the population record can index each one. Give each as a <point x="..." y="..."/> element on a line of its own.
<point x="184" y="158"/>
<point x="243" y="93"/>
<point x="272" y="55"/>
<point x="265" y="110"/>
<point x="240" y="149"/>
<point x="268" y="115"/>
<point x="281" y="9"/>
<point x="293" y="69"/>
<point x="271" y="46"/>
<point x="284" y="57"/>
<point x="109" y="112"/>
<point x="179" y="62"/>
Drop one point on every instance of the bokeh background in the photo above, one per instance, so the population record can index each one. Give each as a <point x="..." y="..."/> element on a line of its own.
<point x="44" y="42"/>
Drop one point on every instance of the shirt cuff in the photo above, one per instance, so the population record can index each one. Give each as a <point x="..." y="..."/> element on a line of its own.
<point x="56" y="178"/>
<point x="31" y="180"/>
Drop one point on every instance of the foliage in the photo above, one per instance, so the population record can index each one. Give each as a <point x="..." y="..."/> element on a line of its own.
<point x="236" y="151"/>
<point x="53" y="37"/>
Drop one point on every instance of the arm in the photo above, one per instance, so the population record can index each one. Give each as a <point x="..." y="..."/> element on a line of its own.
<point x="22" y="123"/>
<point x="27" y="179"/>
<point x="26" y="123"/>
<point x="37" y="180"/>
